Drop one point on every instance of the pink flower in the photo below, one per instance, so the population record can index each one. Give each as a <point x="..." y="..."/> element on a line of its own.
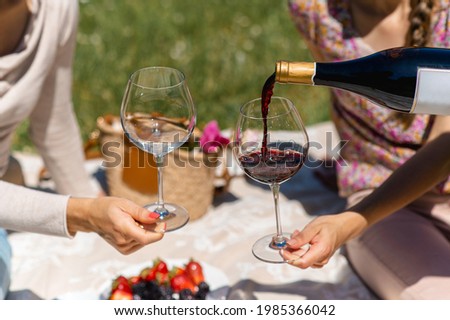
<point x="212" y="140"/>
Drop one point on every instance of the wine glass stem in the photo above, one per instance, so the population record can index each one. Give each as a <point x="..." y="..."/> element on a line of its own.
<point x="160" y="208"/>
<point x="278" y="240"/>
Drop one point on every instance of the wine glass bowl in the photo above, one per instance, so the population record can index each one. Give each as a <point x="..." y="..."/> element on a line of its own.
<point x="283" y="160"/>
<point x="270" y="150"/>
<point x="158" y="116"/>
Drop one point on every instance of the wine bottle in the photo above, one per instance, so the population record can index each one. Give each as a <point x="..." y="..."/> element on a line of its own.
<point x="407" y="79"/>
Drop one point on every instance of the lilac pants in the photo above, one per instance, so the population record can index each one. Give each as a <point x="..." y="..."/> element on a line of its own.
<point x="406" y="255"/>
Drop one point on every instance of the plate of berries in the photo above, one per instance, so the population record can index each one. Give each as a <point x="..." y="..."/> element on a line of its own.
<point x="168" y="279"/>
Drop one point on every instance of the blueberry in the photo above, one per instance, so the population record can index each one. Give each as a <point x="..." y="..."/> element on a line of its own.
<point x="166" y="293"/>
<point x="203" y="289"/>
<point x="138" y="288"/>
<point x="146" y="290"/>
<point x="152" y="291"/>
<point x="186" y="294"/>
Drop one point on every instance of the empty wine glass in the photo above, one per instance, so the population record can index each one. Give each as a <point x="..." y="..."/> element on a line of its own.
<point x="158" y="116"/>
<point x="270" y="150"/>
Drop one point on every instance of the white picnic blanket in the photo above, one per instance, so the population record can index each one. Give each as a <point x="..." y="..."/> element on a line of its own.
<point x="51" y="267"/>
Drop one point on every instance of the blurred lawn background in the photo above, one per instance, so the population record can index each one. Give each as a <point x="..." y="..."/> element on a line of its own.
<point x="226" y="48"/>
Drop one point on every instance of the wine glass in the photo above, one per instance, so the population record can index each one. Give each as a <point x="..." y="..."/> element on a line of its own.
<point x="158" y="116"/>
<point x="270" y="150"/>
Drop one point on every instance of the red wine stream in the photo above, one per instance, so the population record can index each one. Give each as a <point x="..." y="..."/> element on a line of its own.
<point x="276" y="165"/>
<point x="266" y="95"/>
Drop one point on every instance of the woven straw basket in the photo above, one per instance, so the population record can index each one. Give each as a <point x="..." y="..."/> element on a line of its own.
<point x="188" y="179"/>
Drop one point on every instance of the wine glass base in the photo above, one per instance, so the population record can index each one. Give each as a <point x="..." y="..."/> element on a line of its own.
<point x="266" y="251"/>
<point x="175" y="217"/>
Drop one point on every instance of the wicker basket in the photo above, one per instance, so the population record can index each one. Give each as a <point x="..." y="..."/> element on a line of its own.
<point x="189" y="177"/>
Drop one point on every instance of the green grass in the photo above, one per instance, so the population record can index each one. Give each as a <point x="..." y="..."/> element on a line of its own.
<point x="226" y="48"/>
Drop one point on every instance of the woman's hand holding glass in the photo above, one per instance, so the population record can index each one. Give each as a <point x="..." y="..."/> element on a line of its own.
<point x="271" y="157"/>
<point x="122" y="223"/>
<point x="158" y="116"/>
<point x="324" y="235"/>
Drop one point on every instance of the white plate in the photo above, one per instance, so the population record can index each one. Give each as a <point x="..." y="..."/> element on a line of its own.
<point x="214" y="277"/>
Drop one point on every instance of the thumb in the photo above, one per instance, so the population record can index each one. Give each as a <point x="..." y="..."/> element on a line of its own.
<point x="141" y="214"/>
<point x="300" y="238"/>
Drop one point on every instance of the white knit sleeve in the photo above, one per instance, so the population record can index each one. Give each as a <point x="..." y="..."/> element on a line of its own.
<point x="53" y="124"/>
<point x="24" y="209"/>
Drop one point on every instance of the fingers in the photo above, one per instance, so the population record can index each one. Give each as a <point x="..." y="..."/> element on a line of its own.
<point x="133" y="236"/>
<point x="317" y="266"/>
<point x="144" y="233"/>
<point x="136" y="228"/>
<point x="123" y="224"/>
<point x="143" y="226"/>
<point x="140" y="214"/>
<point x="315" y="257"/>
<point x="125" y="248"/>
<point x="300" y="238"/>
<point x="159" y="227"/>
<point x="306" y="249"/>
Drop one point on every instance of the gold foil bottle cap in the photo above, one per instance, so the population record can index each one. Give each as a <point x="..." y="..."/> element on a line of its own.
<point x="294" y="72"/>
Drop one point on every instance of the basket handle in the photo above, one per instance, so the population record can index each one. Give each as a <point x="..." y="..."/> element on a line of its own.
<point x="222" y="181"/>
<point x="92" y="146"/>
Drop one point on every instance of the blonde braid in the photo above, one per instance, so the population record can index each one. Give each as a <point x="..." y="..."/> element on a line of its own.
<point x="419" y="33"/>
<point x="420" y="20"/>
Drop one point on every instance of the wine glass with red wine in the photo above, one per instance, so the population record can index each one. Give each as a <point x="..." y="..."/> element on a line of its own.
<point x="270" y="147"/>
<point x="158" y="116"/>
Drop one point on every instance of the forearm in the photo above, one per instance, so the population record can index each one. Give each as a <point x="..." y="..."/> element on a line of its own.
<point x="29" y="210"/>
<point x="428" y="167"/>
<point x="326" y="233"/>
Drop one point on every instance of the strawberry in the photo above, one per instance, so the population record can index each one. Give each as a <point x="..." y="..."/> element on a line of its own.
<point x="181" y="282"/>
<point x="148" y="274"/>
<point x="135" y="279"/>
<point x="121" y="283"/>
<point x="121" y="289"/>
<point x="161" y="271"/>
<point x="160" y="266"/>
<point x="162" y="278"/>
<point x="121" y="295"/>
<point x="176" y="271"/>
<point x="195" y="271"/>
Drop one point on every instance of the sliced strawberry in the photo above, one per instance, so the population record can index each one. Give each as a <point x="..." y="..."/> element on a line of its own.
<point x="121" y="295"/>
<point x="182" y="281"/>
<point x="195" y="271"/>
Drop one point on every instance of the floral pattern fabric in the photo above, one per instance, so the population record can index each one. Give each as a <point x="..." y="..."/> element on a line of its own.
<point x="379" y="139"/>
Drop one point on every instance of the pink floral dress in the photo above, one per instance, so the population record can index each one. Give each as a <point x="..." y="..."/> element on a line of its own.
<point x="379" y="140"/>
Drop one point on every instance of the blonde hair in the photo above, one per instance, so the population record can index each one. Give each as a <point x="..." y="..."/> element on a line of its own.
<point x="420" y="22"/>
<point x="418" y="34"/>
